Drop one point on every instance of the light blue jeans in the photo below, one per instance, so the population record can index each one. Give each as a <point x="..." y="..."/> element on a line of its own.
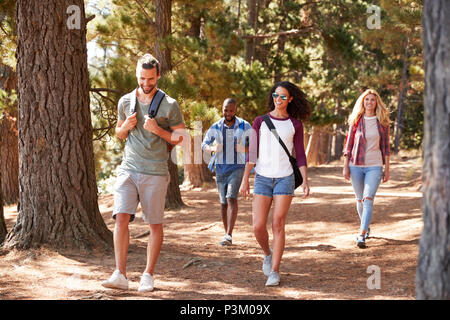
<point x="365" y="182"/>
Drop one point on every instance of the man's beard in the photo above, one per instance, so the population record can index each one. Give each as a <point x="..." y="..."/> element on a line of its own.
<point x="148" y="90"/>
<point x="230" y="120"/>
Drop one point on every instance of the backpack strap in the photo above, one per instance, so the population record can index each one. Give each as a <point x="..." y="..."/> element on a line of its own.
<point x="156" y="101"/>
<point x="133" y="98"/>
<point x="272" y="129"/>
<point x="154" y="105"/>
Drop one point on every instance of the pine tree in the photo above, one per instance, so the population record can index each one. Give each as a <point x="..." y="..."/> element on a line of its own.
<point x="58" y="197"/>
<point x="432" y="277"/>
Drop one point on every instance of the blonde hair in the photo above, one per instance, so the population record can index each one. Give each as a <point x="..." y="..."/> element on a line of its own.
<point x="381" y="111"/>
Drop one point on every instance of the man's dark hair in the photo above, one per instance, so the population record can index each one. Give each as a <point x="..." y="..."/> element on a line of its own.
<point x="228" y="101"/>
<point x="147" y="61"/>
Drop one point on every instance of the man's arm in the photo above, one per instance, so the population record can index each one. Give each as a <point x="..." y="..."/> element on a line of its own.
<point x="210" y="137"/>
<point x="176" y="136"/>
<point x="124" y="126"/>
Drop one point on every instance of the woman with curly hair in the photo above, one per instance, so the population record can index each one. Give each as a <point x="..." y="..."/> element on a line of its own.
<point x="274" y="179"/>
<point x="366" y="151"/>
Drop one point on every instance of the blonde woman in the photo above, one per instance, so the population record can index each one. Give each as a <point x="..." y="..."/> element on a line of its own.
<point x="366" y="152"/>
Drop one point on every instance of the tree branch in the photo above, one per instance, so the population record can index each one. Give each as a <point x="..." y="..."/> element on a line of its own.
<point x="97" y="90"/>
<point x="145" y="12"/>
<point x="288" y="33"/>
<point x="90" y="18"/>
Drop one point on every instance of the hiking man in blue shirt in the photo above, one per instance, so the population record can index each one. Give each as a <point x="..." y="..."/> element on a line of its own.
<point x="231" y="136"/>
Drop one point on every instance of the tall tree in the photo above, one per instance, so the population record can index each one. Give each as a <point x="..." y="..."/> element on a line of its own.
<point x="9" y="159"/>
<point x="58" y="191"/>
<point x="9" y="155"/>
<point x="163" y="18"/>
<point x="252" y="20"/>
<point x="163" y="54"/>
<point x="3" y="230"/>
<point x="433" y="270"/>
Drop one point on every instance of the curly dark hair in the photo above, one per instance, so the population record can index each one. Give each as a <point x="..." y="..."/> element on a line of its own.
<point x="299" y="107"/>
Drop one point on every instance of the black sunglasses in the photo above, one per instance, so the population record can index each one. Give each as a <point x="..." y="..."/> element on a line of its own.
<point x="282" y="96"/>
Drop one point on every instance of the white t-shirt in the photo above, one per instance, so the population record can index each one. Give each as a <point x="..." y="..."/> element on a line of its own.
<point x="265" y="150"/>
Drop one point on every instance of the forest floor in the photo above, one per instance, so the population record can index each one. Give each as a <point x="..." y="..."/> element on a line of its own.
<point x="321" y="260"/>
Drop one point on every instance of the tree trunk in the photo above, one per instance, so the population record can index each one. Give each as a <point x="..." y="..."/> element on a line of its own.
<point x="338" y="141"/>
<point x="3" y="230"/>
<point x="58" y="191"/>
<point x="173" y="197"/>
<point x="252" y="20"/>
<point x="8" y="78"/>
<point x="433" y="270"/>
<point x="194" y="17"/>
<point x="163" y="54"/>
<point x="9" y="155"/>
<point x="281" y="41"/>
<point x="401" y="100"/>
<point x="338" y="138"/>
<point x="318" y="145"/>
<point x="196" y="172"/>
<point x="163" y="30"/>
<point x="9" y="160"/>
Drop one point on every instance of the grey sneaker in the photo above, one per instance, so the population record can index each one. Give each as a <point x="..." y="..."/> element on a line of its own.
<point x="367" y="233"/>
<point x="360" y="241"/>
<point x="267" y="264"/>
<point x="146" y="283"/>
<point x="273" y="279"/>
<point x="226" y="241"/>
<point x="116" y="281"/>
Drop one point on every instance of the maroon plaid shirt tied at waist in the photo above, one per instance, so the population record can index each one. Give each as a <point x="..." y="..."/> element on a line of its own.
<point x="355" y="142"/>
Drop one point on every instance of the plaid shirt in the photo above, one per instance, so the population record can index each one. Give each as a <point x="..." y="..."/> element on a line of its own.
<point x="241" y="135"/>
<point x="355" y="142"/>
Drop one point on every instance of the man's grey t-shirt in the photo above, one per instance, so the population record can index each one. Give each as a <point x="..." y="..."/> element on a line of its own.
<point x="145" y="152"/>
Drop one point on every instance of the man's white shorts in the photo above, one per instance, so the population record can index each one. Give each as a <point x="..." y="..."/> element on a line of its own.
<point x="132" y="188"/>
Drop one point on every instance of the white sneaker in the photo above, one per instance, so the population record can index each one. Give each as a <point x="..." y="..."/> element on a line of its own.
<point x="273" y="279"/>
<point x="267" y="264"/>
<point x="116" y="281"/>
<point x="146" y="283"/>
<point x="226" y="241"/>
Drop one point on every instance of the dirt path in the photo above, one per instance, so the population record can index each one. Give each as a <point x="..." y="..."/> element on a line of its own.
<point x="321" y="260"/>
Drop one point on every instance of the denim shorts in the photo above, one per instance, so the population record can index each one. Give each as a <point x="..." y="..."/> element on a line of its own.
<point x="228" y="184"/>
<point x="270" y="187"/>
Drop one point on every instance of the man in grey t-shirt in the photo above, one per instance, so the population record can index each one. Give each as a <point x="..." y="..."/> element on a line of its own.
<point x="143" y="175"/>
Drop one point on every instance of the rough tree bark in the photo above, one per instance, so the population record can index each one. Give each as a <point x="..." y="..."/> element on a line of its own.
<point x="163" y="30"/>
<point x="173" y="197"/>
<point x="9" y="160"/>
<point x="252" y="20"/>
<point x="8" y="78"/>
<point x="196" y="172"/>
<point x="401" y="100"/>
<point x="58" y="191"/>
<point x="318" y="146"/>
<point x="433" y="270"/>
<point x="3" y="230"/>
<point x="9" y="155"/>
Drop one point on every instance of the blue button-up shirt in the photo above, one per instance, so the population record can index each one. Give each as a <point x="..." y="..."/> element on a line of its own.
<point x="228" y="158"/>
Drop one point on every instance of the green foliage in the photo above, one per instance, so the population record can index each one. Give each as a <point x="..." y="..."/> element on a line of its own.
<point x="325" y="47"/>
<point x="8" y="102"/>
<point x="8" y="33"/>
<point x="333" y="56"/>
